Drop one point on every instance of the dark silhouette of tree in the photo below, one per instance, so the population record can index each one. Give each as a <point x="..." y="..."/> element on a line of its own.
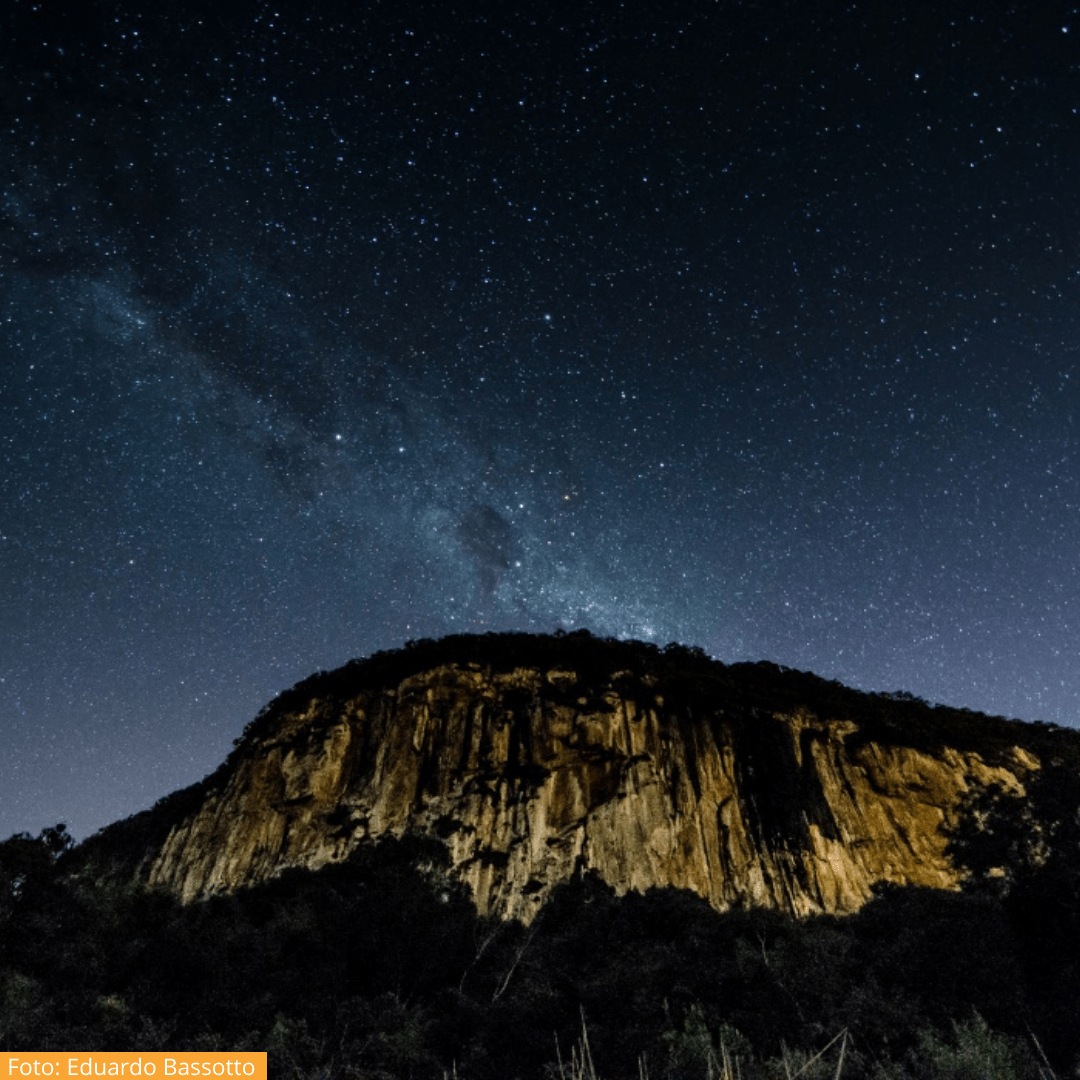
<point x="1024" y="849"/>
<point x="26" y="862"/>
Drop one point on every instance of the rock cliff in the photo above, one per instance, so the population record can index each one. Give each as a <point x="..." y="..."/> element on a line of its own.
<point x="537" y="758"/>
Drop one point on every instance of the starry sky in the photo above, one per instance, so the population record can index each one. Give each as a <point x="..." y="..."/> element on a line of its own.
<point x="749" y="325"/>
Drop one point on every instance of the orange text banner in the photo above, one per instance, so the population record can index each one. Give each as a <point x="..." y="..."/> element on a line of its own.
<point x="251" y="1066"/>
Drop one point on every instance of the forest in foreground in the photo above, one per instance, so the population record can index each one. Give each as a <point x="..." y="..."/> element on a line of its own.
<point x="380" y="967"/>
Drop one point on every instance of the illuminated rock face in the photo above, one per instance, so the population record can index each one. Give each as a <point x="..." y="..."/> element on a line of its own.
<point x="531" y="775"/>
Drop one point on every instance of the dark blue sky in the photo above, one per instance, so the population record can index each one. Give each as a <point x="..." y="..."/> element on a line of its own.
<point x="754" y="326"/>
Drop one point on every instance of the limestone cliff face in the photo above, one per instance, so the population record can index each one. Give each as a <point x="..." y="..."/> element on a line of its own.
<point x="531" y="773"/>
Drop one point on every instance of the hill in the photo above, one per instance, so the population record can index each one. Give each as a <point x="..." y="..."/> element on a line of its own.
<point x="538" y="758"/>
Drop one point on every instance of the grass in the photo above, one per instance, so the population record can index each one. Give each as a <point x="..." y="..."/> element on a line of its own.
<point x="724" y="1067"/>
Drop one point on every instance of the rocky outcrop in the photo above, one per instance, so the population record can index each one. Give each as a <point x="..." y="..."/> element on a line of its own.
<point x="666" y="771"/>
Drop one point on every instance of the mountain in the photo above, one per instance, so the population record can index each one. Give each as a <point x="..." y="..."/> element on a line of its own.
<point x="539" y="758"/>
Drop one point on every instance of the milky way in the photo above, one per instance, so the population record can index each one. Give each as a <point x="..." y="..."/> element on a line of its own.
<point x="749" y="326"/>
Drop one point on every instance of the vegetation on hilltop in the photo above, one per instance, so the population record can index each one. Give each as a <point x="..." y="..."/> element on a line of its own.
<point x="688" y="679"/>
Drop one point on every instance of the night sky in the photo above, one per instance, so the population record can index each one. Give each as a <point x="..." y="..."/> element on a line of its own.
<point x="753" y="326"/>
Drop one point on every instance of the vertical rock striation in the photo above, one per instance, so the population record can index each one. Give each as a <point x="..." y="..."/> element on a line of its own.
<point x="534" y="772"/>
